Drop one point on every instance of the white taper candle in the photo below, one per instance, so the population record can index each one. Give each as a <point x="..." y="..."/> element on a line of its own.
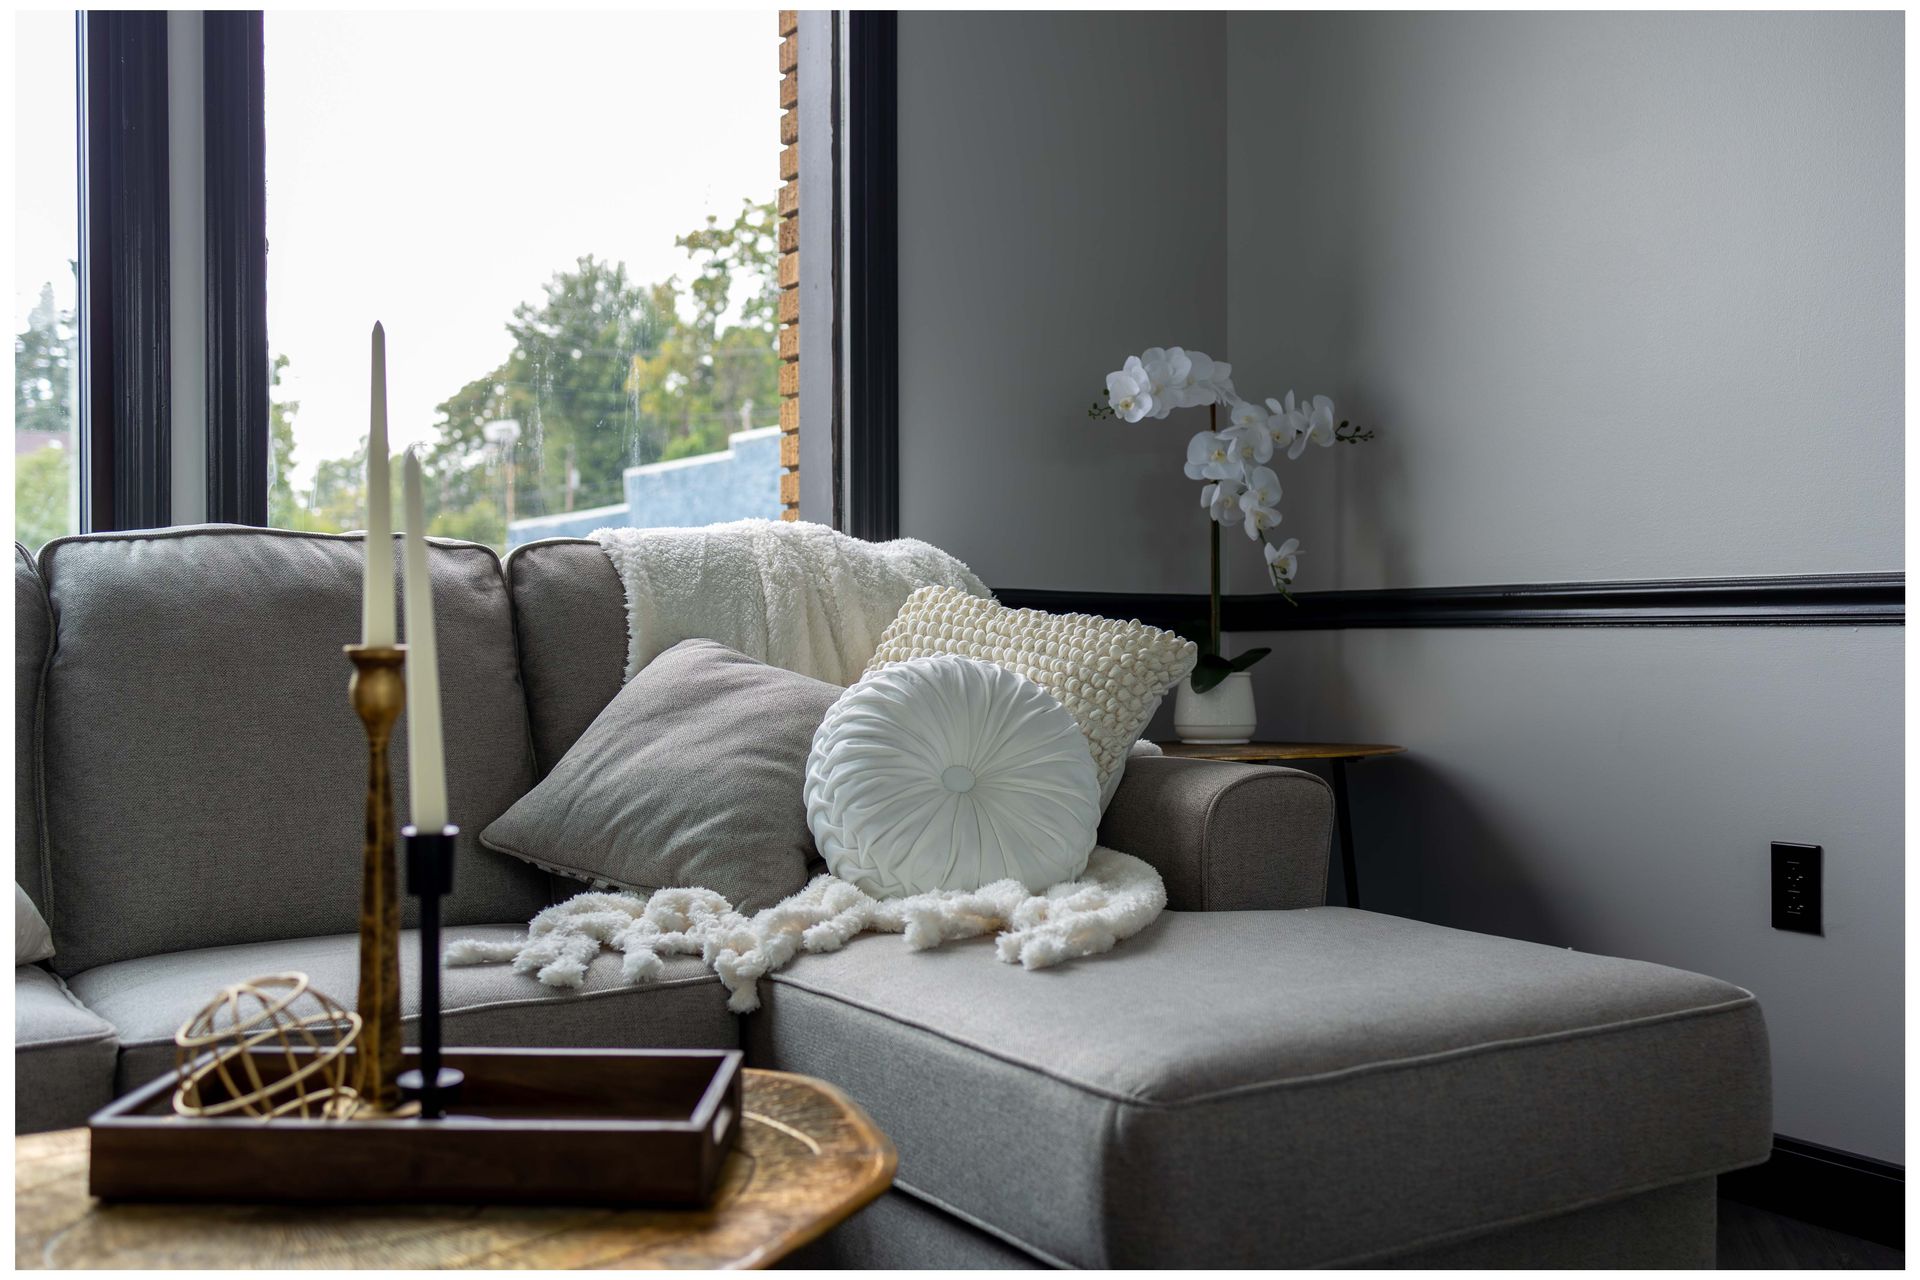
<point x="376" y="605"/>
<point x="426" y="751"/>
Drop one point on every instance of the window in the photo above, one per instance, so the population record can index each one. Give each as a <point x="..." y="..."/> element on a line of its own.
<point x="567" y="224"/>
<point x="586" y="253"/>
<point x="46" y="250"/>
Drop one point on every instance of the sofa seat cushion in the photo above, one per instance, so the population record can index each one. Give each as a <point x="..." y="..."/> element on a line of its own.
<point x="1277" y="1089"/>
<point x="148" y="999"/>
<point x="63" y="1054"/>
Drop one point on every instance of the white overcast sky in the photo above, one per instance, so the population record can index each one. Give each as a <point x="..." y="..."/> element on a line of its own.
<point x="45" y="217"/>
<point x="432" y="170"/>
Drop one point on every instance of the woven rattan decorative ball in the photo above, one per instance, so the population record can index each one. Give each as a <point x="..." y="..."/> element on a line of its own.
<point x="267" y="1047"/>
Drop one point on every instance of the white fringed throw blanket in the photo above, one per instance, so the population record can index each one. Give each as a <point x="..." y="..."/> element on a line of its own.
<point x="798" y="596"/>
<point x="808" y="599"/>
<point x="1115" y="898"/>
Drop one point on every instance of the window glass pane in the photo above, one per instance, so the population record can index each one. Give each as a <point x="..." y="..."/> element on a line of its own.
<point x="46" y="252"/>
<point x="565" y="223"/>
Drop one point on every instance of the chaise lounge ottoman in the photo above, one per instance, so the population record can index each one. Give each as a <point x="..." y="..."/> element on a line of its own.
<point x="1288" y="1089"/>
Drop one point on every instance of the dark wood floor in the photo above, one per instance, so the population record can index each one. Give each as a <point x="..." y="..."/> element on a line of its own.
<point x="1753" y="1239"/>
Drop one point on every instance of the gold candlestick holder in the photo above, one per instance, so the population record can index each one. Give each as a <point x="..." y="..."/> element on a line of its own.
<point x="378" y="690"/>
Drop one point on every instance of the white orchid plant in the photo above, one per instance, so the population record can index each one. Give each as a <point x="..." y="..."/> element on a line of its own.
<point x="1239" y="488"/>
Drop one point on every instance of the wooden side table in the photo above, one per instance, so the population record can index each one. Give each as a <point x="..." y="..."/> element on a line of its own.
<point x="808" y="1158"/>
<point x="1341" y="754"/>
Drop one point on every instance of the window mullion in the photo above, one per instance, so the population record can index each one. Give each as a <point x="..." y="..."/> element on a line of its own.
<point x="237" y="364"/>
<point x="187" y="258"/>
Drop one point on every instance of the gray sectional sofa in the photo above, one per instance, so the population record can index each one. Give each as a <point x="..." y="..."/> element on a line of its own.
<point x="1258" y="1079"/>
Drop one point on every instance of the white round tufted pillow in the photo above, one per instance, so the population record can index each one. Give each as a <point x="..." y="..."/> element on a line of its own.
<point x="951" y="773"/>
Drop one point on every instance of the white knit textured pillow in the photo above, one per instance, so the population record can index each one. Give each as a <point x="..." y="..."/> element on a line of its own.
<point x="1110" y="676"/>
<point x="949" y="773"/>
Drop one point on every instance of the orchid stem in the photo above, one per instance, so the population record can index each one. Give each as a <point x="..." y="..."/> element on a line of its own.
<point x="1213" y="616"/>
<point x="1213" y="611"/>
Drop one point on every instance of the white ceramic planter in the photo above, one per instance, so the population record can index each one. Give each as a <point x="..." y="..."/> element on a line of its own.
<point x="1223" y="713"/>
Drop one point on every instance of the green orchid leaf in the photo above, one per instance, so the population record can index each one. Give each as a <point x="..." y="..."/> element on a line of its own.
<point x="1209" y="672"/>
<point x="1248" y="658"/>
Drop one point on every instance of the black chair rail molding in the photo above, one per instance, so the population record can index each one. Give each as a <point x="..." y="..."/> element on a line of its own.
<point x="1814" y="600"/>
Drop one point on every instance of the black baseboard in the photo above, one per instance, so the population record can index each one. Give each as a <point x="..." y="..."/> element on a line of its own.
<point x="1837" y="1190"/>
<point x="1842" y="599"/>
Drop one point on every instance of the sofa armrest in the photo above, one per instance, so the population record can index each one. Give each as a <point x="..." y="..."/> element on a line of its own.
<point x="1225" y="837"/>
<point x="64" y="1054"/>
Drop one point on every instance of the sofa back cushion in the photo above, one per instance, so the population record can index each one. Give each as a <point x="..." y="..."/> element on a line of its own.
<point x="205" y="777"/>
<point x="32" y="636"/>
<point x="570" y="611"/>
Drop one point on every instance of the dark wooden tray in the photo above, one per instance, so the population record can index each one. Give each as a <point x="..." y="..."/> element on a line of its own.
<point x="531" y="1126"/>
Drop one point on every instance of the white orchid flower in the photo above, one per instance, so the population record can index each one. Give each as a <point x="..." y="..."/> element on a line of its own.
<point x="1208" y="459"/>
<point x="1208" y="383"/>
<point x="1282" y="430"/>
<point x="1283" y="562"/>
<point x="1197" y="387"/>
<point x="1153" y="370"/>
<point x="1299" y="425"/>
<point x="1263" y="484"/>
<point x="1250" y="444"/>
<point x="1222" y="501"/>
<point x="1321" y="422"/>
<point x="1179" y="391"/>
<point x="1128" y="397"/>
<point x="1311" y="423"/>
<point x="1153" y="363"/>
<point x="1221" y="380"/>
<point x="1199" y="452"/>
<point x="1257" y="518"/>
<point x="1253" y="441"/>
<point x="1260" y="504"/>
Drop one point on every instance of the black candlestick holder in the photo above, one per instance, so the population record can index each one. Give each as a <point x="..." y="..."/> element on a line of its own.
<point x="430" y="878"/>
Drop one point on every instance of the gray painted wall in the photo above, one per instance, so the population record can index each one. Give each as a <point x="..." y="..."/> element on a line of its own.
<point x="1059" y="208"/>
<point x="1616" y="789"/>
<point x="1623" y="293"/>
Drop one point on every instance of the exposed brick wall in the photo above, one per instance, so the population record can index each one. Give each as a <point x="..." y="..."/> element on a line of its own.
<point x="789" y="208"/>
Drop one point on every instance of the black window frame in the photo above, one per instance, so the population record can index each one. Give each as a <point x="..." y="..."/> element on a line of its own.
<point x="870" y="308"/>
<point x="125" y="427"/>
<point x="125" y="409"/>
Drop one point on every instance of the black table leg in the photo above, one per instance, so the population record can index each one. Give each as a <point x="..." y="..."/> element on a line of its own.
<point x="1343" y="817"/>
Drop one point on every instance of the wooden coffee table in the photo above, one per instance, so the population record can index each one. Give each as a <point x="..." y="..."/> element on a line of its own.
<point x="807" y="1160"/>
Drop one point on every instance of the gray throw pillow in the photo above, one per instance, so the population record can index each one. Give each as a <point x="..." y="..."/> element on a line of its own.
<point x="691" y="777"/>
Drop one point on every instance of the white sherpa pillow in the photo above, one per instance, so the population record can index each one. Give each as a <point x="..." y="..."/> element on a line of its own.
<point x="1110" y="676"/>
<point x="949" y="773"/>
